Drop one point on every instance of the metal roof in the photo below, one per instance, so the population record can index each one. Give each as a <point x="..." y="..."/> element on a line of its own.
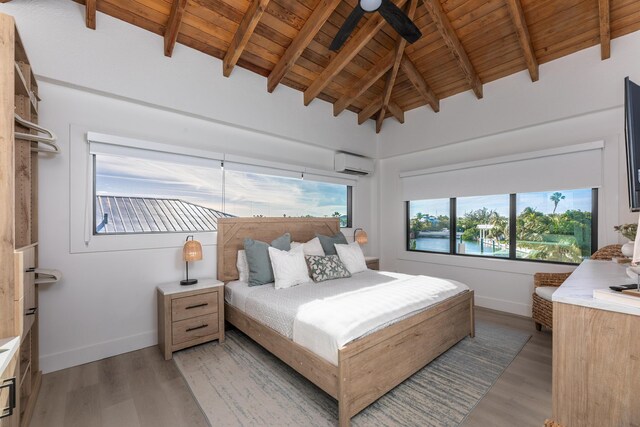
<point x="117" y="215"/>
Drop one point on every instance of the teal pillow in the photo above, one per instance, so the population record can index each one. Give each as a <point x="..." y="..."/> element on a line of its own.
<point x="326" y="268"/>
<point x="327" y="242"/>
<point x="260" y="270"/>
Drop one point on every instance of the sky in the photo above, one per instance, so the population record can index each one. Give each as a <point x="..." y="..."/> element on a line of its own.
<point x="574" y="200"/>
<point x="246" y="194"/>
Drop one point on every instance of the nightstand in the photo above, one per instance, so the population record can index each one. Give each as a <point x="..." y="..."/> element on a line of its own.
<point x="373" y="262"/>
<point x="189" y="315"/>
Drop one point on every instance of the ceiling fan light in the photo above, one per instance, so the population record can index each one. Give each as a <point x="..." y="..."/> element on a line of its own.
<point x="370" y="5"/>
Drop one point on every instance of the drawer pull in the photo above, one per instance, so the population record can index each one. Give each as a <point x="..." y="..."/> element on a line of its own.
<point x="31" y="311"/>
<point x="197" y="327"/>
<point x="197" y="306"/>
<point x="8" y="411"/>
<point x="30" y="270"/>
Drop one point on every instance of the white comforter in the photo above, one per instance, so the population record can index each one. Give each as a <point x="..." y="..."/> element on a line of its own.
<point x="323" y="317"/>
<point x="326" y="325"/>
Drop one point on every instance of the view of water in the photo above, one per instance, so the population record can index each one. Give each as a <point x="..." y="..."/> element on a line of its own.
<point x="442" y="245"/>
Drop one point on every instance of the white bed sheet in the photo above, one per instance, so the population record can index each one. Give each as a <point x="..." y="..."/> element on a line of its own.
<point x="323" y="317"/>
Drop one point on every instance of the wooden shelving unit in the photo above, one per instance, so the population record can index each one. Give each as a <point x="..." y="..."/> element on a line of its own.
<point x="19" y="215"/>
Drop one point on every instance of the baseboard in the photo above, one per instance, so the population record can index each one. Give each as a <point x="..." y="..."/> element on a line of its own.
<point x="503" y="305"/>
<point x="91" y="353"/>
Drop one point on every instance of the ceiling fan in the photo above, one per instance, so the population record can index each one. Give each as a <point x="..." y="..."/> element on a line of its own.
<point x="389" y="11"/>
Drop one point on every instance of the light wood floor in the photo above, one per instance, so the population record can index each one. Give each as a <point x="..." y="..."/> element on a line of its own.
<point x="522" y="395"/>
<point x="141" y="389"/>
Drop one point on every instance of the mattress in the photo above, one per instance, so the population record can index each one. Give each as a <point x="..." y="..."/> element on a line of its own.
<point x="323" y="317"/>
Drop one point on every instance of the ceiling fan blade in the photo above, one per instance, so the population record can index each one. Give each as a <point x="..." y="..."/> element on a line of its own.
<point x="399" y="21"/>
<point x="347" y="28"/>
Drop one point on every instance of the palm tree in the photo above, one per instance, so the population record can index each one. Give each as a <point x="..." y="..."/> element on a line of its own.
<point x="555" y="198"/>
<point x="531" y="225"/>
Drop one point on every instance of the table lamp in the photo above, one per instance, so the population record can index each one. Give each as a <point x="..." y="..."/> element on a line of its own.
<point x="360" y="236"/>
<point x="192" y="251"/>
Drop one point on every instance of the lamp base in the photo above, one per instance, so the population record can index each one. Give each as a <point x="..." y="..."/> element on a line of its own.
<point x="188" y="282"/>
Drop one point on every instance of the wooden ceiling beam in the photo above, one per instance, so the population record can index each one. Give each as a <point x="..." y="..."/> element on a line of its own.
<point x="604" y="9"/>
<point x="369" y="110"/>
<point x="418" y="81"/>
<point x="318" y="17"/>
<point x="396" y="111"/>
<point x="453" y="43"/>
<point x="401" y="44"/>
<point x="522" y="30"/>
<point x="90" y="13"/>
<point x="243" y="34"/>
<point x="349" y="50"/>
<point x="362" y="85"/>
<point x="173" y="26"/>
<point x="375" y="106"/>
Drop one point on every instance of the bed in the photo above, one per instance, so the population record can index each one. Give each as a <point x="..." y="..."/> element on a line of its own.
<point x="363" y="369"/>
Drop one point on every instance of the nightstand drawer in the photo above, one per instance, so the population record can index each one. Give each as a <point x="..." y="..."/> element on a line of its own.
<point x="194" y="306"/>
<point x="192" y="329"/>
<point x="373" y="265"/>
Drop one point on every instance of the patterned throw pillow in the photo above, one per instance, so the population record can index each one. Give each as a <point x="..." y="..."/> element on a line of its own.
<point x="326" y="268"/>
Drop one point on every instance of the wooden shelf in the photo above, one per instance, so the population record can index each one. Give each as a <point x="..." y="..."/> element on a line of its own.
<point x="19" y="199"/>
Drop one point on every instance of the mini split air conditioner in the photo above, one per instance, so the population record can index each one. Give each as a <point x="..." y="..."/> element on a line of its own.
<point x="352" y="164"/>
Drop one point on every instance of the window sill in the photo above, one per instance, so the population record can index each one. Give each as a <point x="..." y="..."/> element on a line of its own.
<point x="485" y="263"/>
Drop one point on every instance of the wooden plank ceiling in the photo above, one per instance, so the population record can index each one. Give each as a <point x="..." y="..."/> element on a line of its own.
<point x="465" y="43"/>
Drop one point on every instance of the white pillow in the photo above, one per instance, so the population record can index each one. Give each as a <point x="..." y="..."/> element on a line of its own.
<point x="352" y="257"/>
<point x="312" y="247"/>
<point x="289" y="267"/>
<point x="243" y="266"/>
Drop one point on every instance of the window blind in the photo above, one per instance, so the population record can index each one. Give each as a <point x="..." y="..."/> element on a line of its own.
<point x="573" y="167"/>
<point x="145" y="150"/>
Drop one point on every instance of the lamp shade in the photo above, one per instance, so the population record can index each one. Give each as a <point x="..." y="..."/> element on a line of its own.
<point x="192" y="250"/>
<point x="360" y="236"/>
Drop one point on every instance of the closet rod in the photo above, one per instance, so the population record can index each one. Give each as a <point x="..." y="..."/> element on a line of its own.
<point x="49" y="140"/>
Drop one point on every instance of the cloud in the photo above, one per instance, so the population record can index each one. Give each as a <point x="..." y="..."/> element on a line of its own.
<point x="246" y="194"/>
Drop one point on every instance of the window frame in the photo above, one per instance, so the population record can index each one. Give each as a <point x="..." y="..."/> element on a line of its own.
<point x="512" y="231"/>
<point x="167" y="152"/>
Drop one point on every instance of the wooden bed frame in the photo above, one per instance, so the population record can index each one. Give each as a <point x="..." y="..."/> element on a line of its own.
<point x="368" y="367"/>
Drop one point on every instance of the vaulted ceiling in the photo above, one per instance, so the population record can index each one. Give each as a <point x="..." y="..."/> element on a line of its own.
<point x="464" y="43"/>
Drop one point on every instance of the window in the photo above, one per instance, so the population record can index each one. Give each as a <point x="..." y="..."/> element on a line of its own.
<point x="178" y="194"/>
<point x="255" y="194"/>
<point x="482" y="226"/>
<point x="429" y="225"/>
<point x="553" y="226"/>
<point x="133" y="195"/>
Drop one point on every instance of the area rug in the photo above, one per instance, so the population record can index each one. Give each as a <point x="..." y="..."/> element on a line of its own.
<point x="239" y="383"/>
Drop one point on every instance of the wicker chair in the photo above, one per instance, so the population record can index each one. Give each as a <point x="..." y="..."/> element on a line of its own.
<point x="542" y="309"/>
<point x="607" y="253"/>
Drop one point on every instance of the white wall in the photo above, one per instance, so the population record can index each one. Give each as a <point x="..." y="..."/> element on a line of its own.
<point x="122" y="60"/>
<point x="117" y="81"/>
<point x="578" y="99"/>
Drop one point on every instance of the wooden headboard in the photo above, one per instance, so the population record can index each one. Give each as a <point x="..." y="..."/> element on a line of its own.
<point x="233" y="231"/>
